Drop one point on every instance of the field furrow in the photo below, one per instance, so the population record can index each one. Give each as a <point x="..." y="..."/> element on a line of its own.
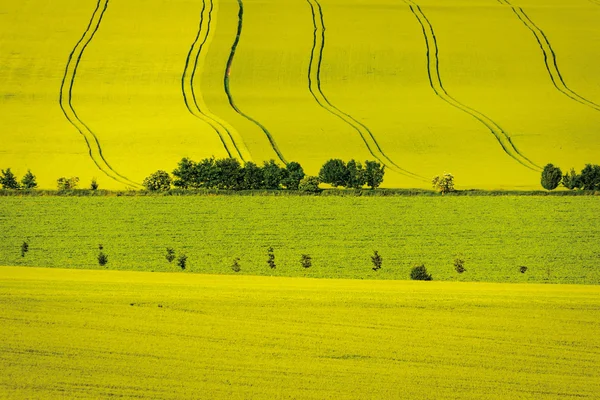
<point x="435" y="81"/>
<point x="194" y="101"/>
<point x="314" y="84"/>
<point x="66" y="96"/>
<point x="234" y="47"/>
<point x="549" y="57"/>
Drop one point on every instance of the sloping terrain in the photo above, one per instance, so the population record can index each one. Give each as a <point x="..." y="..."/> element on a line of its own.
<point x="490" y="90"/>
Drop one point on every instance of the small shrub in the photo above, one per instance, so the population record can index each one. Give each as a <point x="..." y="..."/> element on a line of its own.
<point x="377" y="261"/>
<point x="235" y="267"/>
<point x="551" y="177"/>
<point x="182" y="261"/>
<point x="443" y="183"/>
<point x="522" y="269"/>
<point x="419" y="273"/>
<point x="590" y="177"/>
<point x="28" y="181"/>
<point x="94" y="184"/>
<point x="24" y="248"/>
<point x="102" y="259"/>
<point x="170" y="256"/>
<point x="271" y="260"/>
<point x="309" y="184"/>
<point x="306" y="261"/>
<point x="67" y="183"/>
<point x="158" y="181"/>
<point x="459" y="265"/>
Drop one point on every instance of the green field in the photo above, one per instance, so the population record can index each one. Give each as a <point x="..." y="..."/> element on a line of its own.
<point x="555" y="237"/>
<point x="483" y="89"/>
<point x="102" y="334"/>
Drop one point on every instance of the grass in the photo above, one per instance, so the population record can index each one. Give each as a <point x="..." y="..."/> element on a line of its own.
<point x="373" y="67"/>
<point x="555" y="237"/>
<point x="99" y="334"/>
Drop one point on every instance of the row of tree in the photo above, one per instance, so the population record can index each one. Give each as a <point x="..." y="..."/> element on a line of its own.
<point x="230" y="174"/>
<point x="8" y="180"/>
<point x="588" y="179"/>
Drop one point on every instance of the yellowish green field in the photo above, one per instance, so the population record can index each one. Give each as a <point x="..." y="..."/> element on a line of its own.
<point x="145" y="85"/>
<point x="100" y="334"/>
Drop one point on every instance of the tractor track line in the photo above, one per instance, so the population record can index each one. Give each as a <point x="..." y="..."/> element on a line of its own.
<point x="435" y="81"/>
<point x="187" y="82"/>
<point x="314" y="85"/>
<point x="234" y="46"/>
<point x="549" y="57"/>
<point x="66" y="97"/>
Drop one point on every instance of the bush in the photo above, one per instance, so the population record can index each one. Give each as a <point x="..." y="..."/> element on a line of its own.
<point x="356" y="177"/>
<point x="186" y="174"/>
<point x="571" y="180"/>
<point x="334" y="172"/>
<point x="522" y="269"/>
<point x="293" y="175"/>
<point x="459" y="265"/>
<point x="67" y="183"/>
<point x="271" y="259"/>
<point x="170" y="256"/>
<point x="590" y="177"/>
<point x="306" y="261"/>
<point x="182" y="261"/>
<point x="29" y="181"/>
<point x="206" y="175"/>
<point x="551" y="177"/>
<point x="310" y="184"/>
<point x="229" y="174"/>
<point x="377" y="261"/>
<point x="374" y="173"/>
<point x="8" y="180"/>
<point x="94" y="184"/>
<point x="419" y="273"/>
<point x="443" y="183"/>
<point x="158" y="181"/>
<point x="236" y="267"/>
<point x="102" y="258"/>
<point x="24" y="248"/>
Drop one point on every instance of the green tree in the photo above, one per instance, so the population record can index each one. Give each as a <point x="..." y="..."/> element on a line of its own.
<point x="229" y="173"/>
<point x="356" y="175"/>
<point x="334" y="172"/>
<point x="551" y="177"/>
<point x="186" y="174"/>
<point x="309" y="184"/>
<point x="29" y="181"/>
<point x="443" y="183"/>
<point x="571" y="180"/>
<point x="272" y="175"/>
<point x="67" y="183"/>
<point x="207" y="174"/>
<point x="374" y="173"/>
<point x="8" y="180"/>
<point x="94" y="184"/>
<point x="252" y="176"/>
<point x="590" y="177"/>
<point x="158" y="181"/>
<point x="293" y="174"/>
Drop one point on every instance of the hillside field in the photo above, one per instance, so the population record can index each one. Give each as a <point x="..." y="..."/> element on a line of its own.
<point x="556" y="238"/>
<point x="489" y="90"/>
<point x="101" y="334"/>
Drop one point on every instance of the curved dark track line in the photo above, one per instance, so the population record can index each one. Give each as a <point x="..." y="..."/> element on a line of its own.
<point x="187" y="83"/>
<point x="435" y="81"/>
<point x="549" y="57"/>
<point x="228" y="91"/>
<point x="314" y="85"/>
<point x="66" y="96"/>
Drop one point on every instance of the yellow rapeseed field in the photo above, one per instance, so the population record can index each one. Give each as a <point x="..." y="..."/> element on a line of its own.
<point x="489" y="90"/>
<point x="101" y="334"/>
